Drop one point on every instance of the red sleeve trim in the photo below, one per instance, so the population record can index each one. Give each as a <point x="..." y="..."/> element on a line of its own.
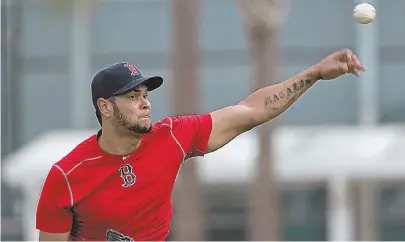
<point x="204" y="134"/>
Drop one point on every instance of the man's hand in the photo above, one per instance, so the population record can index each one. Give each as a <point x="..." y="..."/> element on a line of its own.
<point x="339" y="63"/>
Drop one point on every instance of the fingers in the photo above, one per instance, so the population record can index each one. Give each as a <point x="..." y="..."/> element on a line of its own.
<point x="344" y="68"/>
<point x="355" y="72"/>
<point x="351" y="61"/>
<point x="344" y="55"/>
<point x="358" y="64"/>
<point x="348" y="56"/>
<point x="355" y="66"/>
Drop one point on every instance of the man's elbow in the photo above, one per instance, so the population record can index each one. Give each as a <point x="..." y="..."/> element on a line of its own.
<point x="45" y="236"/>
<point x="253" y="117"/>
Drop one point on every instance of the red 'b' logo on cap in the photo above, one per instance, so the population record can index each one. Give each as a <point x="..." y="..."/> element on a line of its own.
<point x="133" y="69"/>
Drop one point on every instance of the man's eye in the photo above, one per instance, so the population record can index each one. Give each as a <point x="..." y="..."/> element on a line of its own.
<point x="132" y="96"/>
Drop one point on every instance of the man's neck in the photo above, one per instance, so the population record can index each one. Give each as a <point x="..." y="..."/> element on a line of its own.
<point x="118" y="144"/>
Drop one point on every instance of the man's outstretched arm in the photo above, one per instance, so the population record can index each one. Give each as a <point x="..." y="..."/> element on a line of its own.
<point x="269" y="102"/>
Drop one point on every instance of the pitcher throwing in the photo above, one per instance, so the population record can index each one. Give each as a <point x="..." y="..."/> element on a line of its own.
<point x="117" y="184"/>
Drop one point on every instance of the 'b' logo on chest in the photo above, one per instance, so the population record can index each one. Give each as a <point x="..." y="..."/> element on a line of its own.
<point x="127" y="175"/>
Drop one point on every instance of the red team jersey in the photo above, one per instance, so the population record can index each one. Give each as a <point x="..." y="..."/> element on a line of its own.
<point x="99" y="196"/>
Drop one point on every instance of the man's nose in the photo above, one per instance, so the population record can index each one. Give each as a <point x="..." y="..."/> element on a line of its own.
<point x="145" y="104"/>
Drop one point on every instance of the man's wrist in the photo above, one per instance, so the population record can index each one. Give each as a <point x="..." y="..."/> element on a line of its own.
<point x="314" y="72"/>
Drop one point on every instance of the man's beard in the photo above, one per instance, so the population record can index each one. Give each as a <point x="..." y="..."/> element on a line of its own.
<point x="125" y="123"/>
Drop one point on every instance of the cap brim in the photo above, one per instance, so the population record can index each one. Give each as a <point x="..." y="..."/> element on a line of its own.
<point x="151" y="83"/>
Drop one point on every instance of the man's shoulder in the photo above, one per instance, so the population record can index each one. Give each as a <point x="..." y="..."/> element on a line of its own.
<point x="185" y="122"/>
<point x="86" y="150"/>
<point x="166" y="125"/>
<point x="165" y="128"/>
<point x="164" y="122"/>
<point x="181" y="120"/>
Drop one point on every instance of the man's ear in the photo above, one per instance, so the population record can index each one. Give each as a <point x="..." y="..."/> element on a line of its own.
<point x="105" y="107"/>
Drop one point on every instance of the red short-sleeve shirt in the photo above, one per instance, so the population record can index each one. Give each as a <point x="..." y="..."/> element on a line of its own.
<point x="99" y="196"/>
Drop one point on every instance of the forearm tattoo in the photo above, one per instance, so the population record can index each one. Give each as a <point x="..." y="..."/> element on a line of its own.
<point x="288" y="94"/>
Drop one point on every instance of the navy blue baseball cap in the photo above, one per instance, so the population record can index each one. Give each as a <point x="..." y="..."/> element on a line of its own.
<point x="120" y="78"/>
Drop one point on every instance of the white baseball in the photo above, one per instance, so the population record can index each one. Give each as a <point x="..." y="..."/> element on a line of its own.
<point x="364" y="13"/>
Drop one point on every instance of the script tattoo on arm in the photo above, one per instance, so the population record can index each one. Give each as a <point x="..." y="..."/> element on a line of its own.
<point x="290" y="91"/>
<point x="258" y="108"/>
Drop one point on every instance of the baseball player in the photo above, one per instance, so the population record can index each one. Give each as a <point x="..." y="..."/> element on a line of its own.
<point x="117" y="184"/>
